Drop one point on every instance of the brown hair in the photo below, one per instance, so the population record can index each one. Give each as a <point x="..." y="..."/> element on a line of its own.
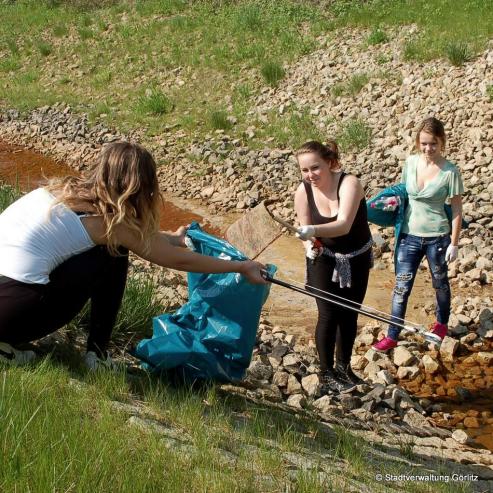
<point x="122" y="187"/>
<point x="328" y="152"/>
<point x="431" y="126"/>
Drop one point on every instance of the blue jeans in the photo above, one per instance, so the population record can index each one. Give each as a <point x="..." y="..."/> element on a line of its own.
<point x="411" y="251"/>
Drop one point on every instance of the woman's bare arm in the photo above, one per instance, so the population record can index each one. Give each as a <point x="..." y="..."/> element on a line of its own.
<point x="163" y="253"/>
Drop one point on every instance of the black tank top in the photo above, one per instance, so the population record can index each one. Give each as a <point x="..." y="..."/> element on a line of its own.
<point x="358" y="235"/>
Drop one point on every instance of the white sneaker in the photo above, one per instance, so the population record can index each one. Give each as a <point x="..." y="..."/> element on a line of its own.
<point x="93" y="362"/>
<point x="13" y="356"/>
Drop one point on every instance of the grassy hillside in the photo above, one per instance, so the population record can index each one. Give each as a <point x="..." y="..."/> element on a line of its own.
<point x="197" y="66"/>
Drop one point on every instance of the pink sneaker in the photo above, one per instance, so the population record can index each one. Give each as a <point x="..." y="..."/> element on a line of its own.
<point x="437" y="333"/>
<point x="439" y="329"/>
<point x="386" y="344"/>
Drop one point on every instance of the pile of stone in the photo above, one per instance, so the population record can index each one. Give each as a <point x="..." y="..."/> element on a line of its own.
<point x="463" y="363"/>
<point x="284" y="370"/>
<point x="56" y="131"/>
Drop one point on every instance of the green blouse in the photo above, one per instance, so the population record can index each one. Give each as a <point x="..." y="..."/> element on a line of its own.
<point x="425" y="214"/>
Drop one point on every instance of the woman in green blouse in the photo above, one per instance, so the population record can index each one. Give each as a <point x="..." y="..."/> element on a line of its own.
<point x="430" y="180"/>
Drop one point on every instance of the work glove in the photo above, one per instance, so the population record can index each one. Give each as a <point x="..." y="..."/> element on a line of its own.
<point x="305" y="232"/>
<point x="312" y="251"/>
<point x="451" y="253"/>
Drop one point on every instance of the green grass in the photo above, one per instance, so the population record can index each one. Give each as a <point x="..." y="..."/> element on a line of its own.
<point x="351" y="87"/>
<point x="8" y="194"/>
<point x="60" y="432"/>
<point x="111" y="50"/>
<point x="272" y="72"/>
<point x="377" y="36"/>
<point x="354" y="135"/>
<point x="439" y="22"/>
<point x="489" y="92"/>
<point x="218" y="120"/>
<point x="291" y="129"/>
<point x="153" y="102"/>
<point x="457" y="53"/>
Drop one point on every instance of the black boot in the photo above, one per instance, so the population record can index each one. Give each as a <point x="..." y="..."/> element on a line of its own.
<point x="332" y="384"/>
<point x="345" y="373"/>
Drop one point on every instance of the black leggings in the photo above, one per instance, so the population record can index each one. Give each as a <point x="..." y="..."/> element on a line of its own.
<point x="31" y="311"/>
<point x="335" y="322"/>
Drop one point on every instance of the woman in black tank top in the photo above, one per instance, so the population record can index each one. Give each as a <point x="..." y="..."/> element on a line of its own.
<point x="331" y="210"/>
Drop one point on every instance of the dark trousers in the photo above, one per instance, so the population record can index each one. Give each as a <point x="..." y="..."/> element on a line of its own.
<point x="31" y="311"/>
<point x="334" y="322"/>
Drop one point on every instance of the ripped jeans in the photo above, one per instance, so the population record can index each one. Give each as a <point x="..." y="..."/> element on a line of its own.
<point x="410" y="253"/>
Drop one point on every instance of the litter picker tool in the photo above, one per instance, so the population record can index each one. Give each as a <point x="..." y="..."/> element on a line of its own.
<point x="361" y="309"/>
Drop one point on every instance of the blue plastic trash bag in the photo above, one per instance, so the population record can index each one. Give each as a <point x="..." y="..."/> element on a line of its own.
<point x="213" y="334"/>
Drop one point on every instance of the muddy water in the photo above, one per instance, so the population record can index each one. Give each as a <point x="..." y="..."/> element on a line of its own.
<point x="284" y="307"/>
<point x="29" y="170"/>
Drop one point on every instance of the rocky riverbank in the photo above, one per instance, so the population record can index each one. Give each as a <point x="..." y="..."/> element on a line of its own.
<point x="227" y="175"/>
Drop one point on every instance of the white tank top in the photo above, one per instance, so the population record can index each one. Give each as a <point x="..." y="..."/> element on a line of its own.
<point x="36" y="237"/>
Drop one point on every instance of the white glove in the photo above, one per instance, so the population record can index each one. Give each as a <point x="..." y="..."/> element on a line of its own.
<point x="451" y="253"/>
<point x="305" y="232"/>
<point x="311" y="251"/>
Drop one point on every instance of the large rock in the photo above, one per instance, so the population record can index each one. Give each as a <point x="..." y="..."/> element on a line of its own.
<point x="311" y="385"/>
<point x="402" y="357"/>
<point x="430" y="365"/>
<point x="448" y="348"/>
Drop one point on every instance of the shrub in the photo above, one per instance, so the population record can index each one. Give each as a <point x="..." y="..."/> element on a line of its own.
<point x="272" y="72"/>
<point x="457" y="53"/>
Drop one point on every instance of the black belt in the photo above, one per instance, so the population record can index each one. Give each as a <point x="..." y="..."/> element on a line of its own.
<point x="4" y="279"/>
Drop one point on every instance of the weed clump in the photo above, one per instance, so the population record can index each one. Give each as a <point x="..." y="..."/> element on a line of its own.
<point x="272" y="72"/>
<point x="154" y="102"/>
<point x="457" y="53"/>
<point x="355" y="135"/>
<point x="218" y="120"/>
<point x="377" y="36"/>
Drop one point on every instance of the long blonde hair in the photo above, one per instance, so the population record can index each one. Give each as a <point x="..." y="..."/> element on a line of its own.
<point x="122" y="187"/>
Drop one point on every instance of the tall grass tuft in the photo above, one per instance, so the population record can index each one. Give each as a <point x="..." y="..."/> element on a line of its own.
<point x="489" y="92"/>
<point x="218" y="120"/>
<point x="377" y="36"/>
<point x="60" y="30"/>
<point x="411" y="50"/>
<point x="355" y="135"/>
<point x="457" y="53"/>
<point x="85" y="32"/>
<point x="44" y="48"/>
<point x="154" y="102"/>
<point x="356" y="83"/>
<point x="12" y="46"/>
<point x="8" y="194"/>
<point x="272" y="72"/>
<point x="10" y="64"/>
